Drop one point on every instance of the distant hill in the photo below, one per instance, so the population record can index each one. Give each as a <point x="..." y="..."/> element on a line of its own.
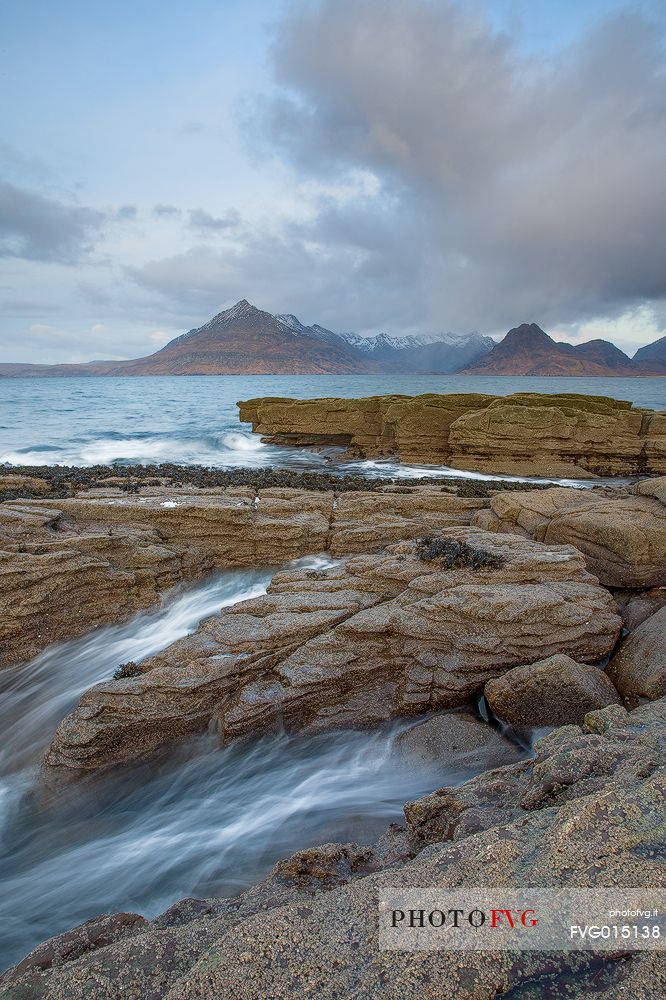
<point x="245" y="340"/>
<point x="528" y="350"/>
<point x="651" y="359"/>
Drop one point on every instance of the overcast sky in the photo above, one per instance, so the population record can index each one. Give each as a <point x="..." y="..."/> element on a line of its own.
<point x="398" y="165"/>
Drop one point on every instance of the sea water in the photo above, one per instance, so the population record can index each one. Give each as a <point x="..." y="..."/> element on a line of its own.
<point x="194" y="420"/>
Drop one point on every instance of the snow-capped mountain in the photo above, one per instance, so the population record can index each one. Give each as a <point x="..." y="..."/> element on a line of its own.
<point x="422" y="352"/>
<point x="244" y="340"/>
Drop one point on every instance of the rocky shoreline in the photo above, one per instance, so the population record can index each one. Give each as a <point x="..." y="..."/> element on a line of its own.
<point x="524" y="434"/>
<point x="587" y="810"/>
<point x="548" y="604"/>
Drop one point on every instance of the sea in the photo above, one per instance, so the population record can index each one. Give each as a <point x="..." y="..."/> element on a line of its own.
<point x="202" y="820"/>
<point x="193" y="420"/>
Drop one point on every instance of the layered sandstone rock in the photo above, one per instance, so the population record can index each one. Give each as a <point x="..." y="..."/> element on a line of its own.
<point x="70" y="565"/>
<point x="623" y="537"/>
<point x="638" y="669"/>
<point x="587" y="811"/>
<point x="522" y="434"/>
<point x="551" y="692"/>
<point x="58" y="580"/>
<point x="375" y="637"/>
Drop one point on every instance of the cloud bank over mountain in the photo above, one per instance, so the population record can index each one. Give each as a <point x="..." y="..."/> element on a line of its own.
<point x="402" y="167"/>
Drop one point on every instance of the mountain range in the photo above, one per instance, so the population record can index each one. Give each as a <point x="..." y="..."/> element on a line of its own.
<point x="528" y="350"/>
<point x="244" y="340"/>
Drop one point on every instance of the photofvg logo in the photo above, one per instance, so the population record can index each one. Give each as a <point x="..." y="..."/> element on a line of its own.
<point x="522" y="919"/>
<point x="476" y="918"/>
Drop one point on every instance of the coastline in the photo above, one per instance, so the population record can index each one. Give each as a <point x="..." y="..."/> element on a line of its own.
<point x="506" y="628"/>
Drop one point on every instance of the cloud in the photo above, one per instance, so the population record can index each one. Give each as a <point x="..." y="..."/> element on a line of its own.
<point x="165" y="210"/>
<point x="535" y="186"/>
<point x="126" y="213"/>
<point x="202" y="220"/>
<point x="299" y="268"/>
<point x="35" y="227"/>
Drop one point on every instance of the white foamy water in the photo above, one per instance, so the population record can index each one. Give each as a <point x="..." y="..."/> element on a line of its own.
<point x="238" y="449"/>
<point x="387" y="469"/>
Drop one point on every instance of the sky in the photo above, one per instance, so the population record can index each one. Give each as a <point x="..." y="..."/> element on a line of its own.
<point x="370" y="165"/>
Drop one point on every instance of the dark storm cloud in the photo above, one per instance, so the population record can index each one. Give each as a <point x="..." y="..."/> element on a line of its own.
<point x="503" y="188"/>
<point x="538" y="184"/>
<point x="36" y="227"/>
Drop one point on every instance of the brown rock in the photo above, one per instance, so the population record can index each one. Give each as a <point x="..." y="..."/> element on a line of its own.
<point x="551" y="692"/>
<point x="379" y="636"/>
<point x="96" y="933"/>
<point x="58" y="580"/>
<point x="522" y="434"/>
<point x="70" y="565"/>
<point x="638" y="669"/>
<point x="15" y="483"/>
<point x="459" y="737"/>
<point x="622" y="537"/>
<point x="636" y="607"/>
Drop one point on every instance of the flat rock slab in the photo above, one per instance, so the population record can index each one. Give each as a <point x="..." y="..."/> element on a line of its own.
<point x="526" y="433"/>
<point x="71" y="565"/>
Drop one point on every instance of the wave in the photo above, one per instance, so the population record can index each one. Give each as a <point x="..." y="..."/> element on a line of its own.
<point x="202" y="820"/>
<point x="394" y="470"/>
<point x="232" y="449"/>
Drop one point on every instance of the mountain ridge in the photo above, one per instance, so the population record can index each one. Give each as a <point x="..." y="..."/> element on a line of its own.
<point x="529" y="350"/>
<point x="245" y="340"/>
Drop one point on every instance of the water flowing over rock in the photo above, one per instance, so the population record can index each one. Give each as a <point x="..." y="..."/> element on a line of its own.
<point x="375" y="637"/>
<point x="586" y="811"/>
<point x="523" y="434"/>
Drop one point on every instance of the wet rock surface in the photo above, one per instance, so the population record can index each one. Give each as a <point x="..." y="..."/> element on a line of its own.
<point x="586" y="811"/>
<point x="522" y="434"/>
<point x="459" y="735"/>
<point x="551" y="692"/>
<point x="373" y="638"/>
